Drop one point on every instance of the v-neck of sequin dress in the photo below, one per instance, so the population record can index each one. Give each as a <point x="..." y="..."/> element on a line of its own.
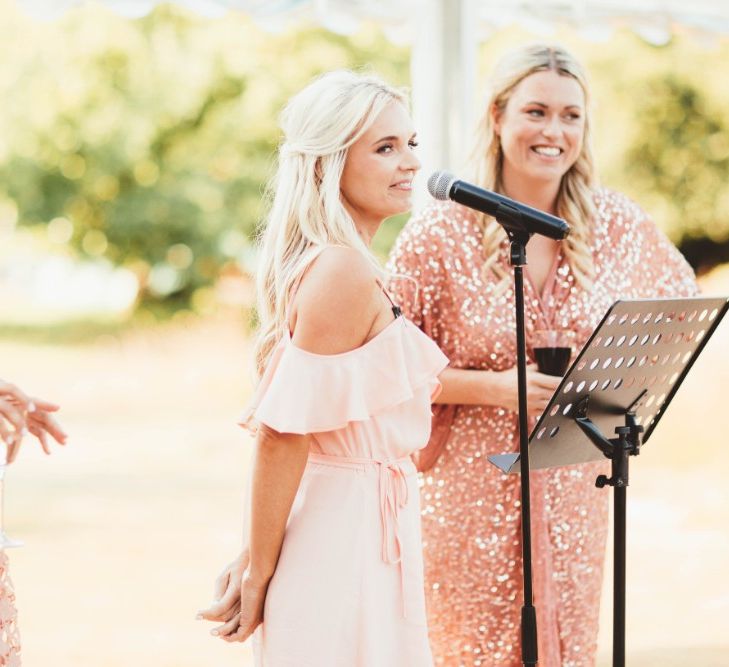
<point x="348" y="586"/>
<point x="471" y="512"/>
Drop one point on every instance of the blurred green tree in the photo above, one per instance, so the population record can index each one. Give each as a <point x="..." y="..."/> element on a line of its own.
<point x="679" y="158"/>
<point x="155" y="144"/>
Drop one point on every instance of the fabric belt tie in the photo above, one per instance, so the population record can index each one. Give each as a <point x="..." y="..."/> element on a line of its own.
<point x="393" y="497"/>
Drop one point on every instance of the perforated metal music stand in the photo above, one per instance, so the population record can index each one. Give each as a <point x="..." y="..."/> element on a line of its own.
<point x="620" y="383"/>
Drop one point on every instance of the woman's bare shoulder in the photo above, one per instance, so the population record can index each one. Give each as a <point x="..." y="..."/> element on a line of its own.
<point x="336" y="303"/>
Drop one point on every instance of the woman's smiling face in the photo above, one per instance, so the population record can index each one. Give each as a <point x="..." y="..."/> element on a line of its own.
<point x="380" y="166"/>
<point x="542" y="127"/>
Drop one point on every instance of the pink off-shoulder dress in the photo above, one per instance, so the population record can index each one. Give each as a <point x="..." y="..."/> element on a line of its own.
<point x="348" y="587"/>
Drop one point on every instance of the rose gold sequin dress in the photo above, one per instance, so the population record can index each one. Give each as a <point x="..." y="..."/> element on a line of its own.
<point x="9" y="636"/>
<point x="471" y="520"/>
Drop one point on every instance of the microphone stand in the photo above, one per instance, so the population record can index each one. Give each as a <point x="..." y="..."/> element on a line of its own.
<point x="518" y="260"/>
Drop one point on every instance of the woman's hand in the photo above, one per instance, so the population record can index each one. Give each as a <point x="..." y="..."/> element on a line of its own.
<point x="20" y="414"/>
<point x="226" y="591"/>
<point x="14" y="405"/>
<point x="239" y="599"/>
<point x="12" y="422"/>
<point x="42" y="424"/>
<point x="540" y="388"/>
<point x="251" y="601"/>
<point x="9" y="392"/>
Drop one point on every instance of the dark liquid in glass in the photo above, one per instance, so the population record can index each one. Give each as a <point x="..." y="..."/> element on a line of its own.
<point x="553" y="360"/>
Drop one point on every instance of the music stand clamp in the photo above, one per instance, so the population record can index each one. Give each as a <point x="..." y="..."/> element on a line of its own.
<point x="617" y="449"/>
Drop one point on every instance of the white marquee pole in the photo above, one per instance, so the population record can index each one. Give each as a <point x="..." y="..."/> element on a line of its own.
<point x="443" y="72"/>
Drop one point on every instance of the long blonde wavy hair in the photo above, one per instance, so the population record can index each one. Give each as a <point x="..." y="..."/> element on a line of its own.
<point x="575" y="196"/>
<point x="306" y="214"/>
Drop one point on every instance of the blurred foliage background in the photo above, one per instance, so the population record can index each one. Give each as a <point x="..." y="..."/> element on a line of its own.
<point x="146" y="143"/>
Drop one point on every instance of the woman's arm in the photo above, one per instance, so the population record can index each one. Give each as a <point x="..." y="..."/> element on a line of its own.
<point x="277" y="469"/>
<point x="335" y="308"/>
<point x="497" y="388"/>
<point x="240" y="590"/>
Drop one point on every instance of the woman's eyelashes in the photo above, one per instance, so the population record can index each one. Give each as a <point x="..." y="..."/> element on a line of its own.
<point x="388" y="148"/>
<point x="540" y="113"/>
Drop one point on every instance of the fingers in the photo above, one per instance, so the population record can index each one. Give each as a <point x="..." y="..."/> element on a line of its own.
<point x="7" y="435"/>
<point x="12" y="414"/>
<point x="12" y="392"/>
<point x="231" y="613"/>
<point x="45" y="422"/>
<point x="230" y="627"/>
<point x="40" y="435"/>
<point x="537" y="400"/>
<point x="41" y="404"/>
<point x="13" y="450"/>
<point x="537" y="410"/>
<point x="242" y="633"/>
<point x="536" y="392"/>
<point x="252" y="600"/>
<point x="232" y="621"/>
<point x="221" y="584"/>
<point x="240" y="636"/>
<point x="219" y="609"/>
<point x="226" y="591"/>
<point x="550" y="382"/>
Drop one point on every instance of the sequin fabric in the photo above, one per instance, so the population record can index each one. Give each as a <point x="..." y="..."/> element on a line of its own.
<point x="9" y="635"/>
<point x="470" y="510"/>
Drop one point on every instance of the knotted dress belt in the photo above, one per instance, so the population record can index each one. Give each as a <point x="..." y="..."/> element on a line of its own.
<point x="393" y="497"/>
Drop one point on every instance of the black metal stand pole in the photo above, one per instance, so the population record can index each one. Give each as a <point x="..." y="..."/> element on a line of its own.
<point x="618" y="450"/>
<point x="528" y="612"/>
<point x="619" y="543"/>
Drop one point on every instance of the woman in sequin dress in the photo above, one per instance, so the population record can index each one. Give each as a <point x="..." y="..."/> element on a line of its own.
<point x="19" y="414"/>
<point x="534" y="146"/>
<point x="331" y="574"/>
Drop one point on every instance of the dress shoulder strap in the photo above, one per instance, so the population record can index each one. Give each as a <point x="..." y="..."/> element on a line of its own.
<point x="396" y="310"/>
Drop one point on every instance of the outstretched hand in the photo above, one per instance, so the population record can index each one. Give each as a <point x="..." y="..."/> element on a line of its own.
<point x="21" y="414"/>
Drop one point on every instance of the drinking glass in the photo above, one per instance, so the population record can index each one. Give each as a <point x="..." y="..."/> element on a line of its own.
<point x="553" y="350"/>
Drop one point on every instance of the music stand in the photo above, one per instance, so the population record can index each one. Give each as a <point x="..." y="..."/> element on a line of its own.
<point x="621" y="382"/>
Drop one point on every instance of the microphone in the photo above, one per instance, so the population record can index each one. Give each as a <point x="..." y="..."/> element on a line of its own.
<point x="514" y="216"/>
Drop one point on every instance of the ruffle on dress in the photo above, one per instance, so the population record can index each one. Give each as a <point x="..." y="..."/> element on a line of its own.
<point x="304" y="392"/>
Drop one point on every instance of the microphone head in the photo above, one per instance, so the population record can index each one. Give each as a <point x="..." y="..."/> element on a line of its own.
<point x="440" y="183"/>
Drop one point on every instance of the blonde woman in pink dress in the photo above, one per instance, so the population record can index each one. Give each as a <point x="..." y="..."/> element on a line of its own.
<point x="331" y="574"/>
<point x="534" y="146"/>
<point x="19" y="414"/>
